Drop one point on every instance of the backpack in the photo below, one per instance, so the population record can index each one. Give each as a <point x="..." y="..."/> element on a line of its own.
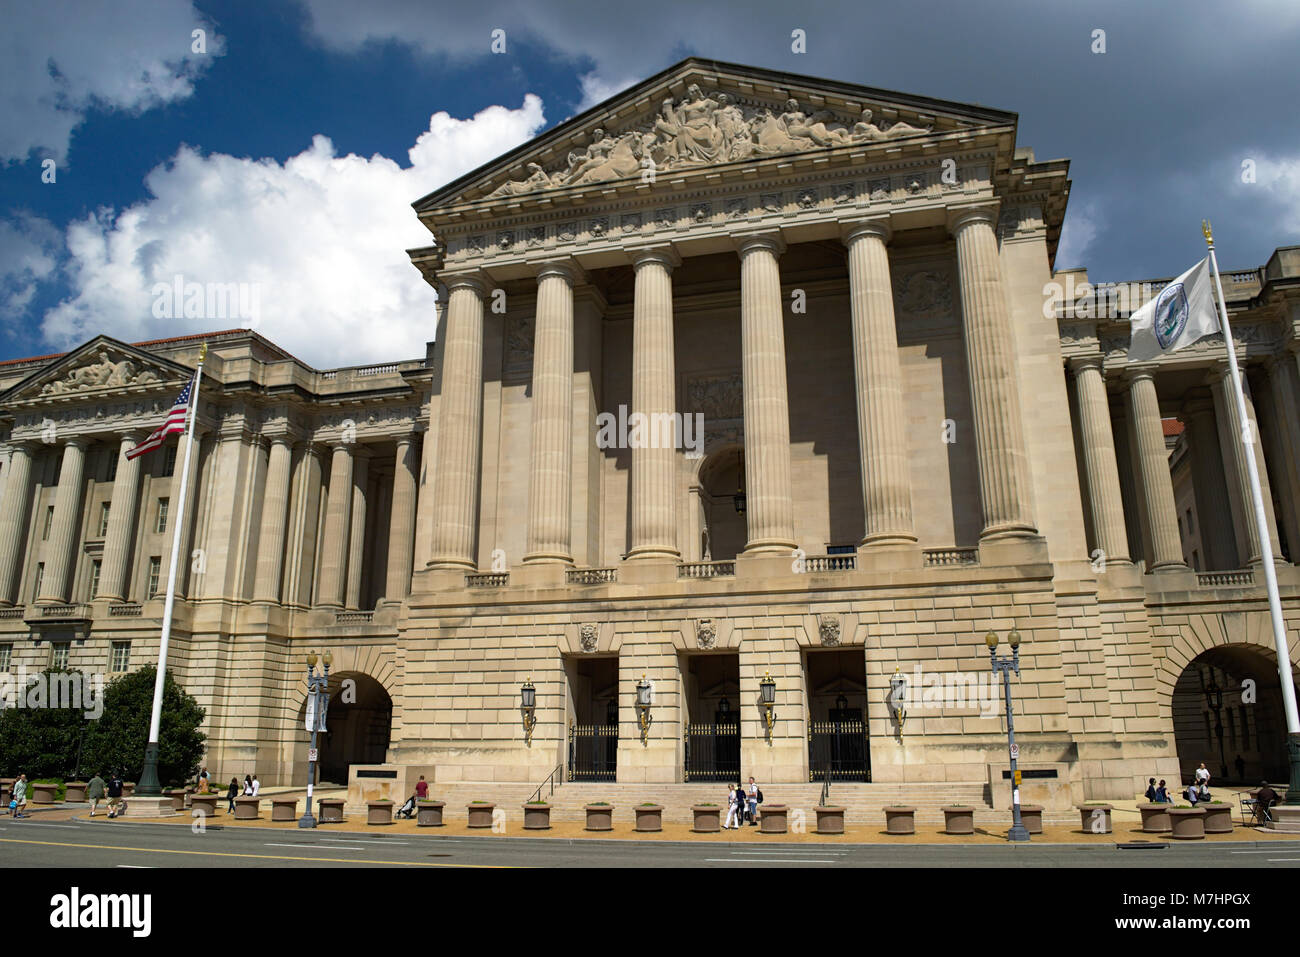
<point x="759" y="795"/>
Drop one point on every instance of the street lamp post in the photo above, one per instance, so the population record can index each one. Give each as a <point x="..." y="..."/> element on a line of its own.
<point x="1005" y="666"/>
<point x="317" y="702"/>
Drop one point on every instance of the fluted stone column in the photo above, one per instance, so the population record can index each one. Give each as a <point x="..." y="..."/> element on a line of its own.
<point x="338" y="525"/>
<point x="115" y="570"/>
<point x="275" y="517"/>
<point x="1284" y="385"/>
<point x="882" y="441"/>
<point x="1235" y="467"/>
<point x="654" y="396"/>
<point x="1214" y="521"/>
<point x="357" y="536"/>
<point x="1153" y="466"/>
<point x="1005" y="488"/>
<point x="460" y="427"/>
<point x="769" y="509"/>
<point x="1100" y="464"/>
<point x="56" y="584"/>
<point x="551" y="456"/>
<point x="300" y="555"/>
<point x="185" y="516"/>
<point x="13" y="520"/>
<point x="401" y="528"/>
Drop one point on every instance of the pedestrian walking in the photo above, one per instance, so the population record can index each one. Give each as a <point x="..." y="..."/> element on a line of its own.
<point x="115" y="784"/>
<point x="257" y="785"/>
<point x="1202" y="774"/>
<point x="95" y="791"/>
<point x="421" y="789"/>
<point x="1162" y="793"/>
<point x="1152" y="794"/>
<point x="734" y="798"/>
<point x="18" y="803"/>
<point x="248" y="785"/>
<point x="232" y="792"/>
<point x="752" y="798"/>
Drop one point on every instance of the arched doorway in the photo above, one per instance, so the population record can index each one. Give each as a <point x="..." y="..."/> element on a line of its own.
<point x="722" y="497"/>
<point x="360" y="720"/>
<point x="1227" y="712"/>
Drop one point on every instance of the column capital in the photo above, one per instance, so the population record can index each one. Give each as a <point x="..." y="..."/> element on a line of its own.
<point x="664" y="254"/>
<point x="1134" y="373"/>
<point x="77" y="441"/>
<point x="859" y="227"/>
<point x="566" y="269"/>
<point x="769" y="240"/>
<point x="1285" y="358"/>
<point x="132" y="435"/>
<point x="1221" y="368"/>
<point x="959" y="217"/>
<point x="476" y="280"/>
<point x="1077" y="364"/>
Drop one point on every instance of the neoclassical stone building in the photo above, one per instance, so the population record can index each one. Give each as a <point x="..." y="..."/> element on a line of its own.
<point x="913" y="432"/>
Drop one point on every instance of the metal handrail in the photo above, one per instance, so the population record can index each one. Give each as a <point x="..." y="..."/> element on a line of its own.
<point x="826" y="787"/>
<point x="550" y="779"/>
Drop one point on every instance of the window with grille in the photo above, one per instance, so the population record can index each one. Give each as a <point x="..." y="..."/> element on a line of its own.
<point x="169" y="461"/>
<point x="95" y="567"/>
<point x="112" y="466"/>
<point x="103" y="518"/>
<point x="40" y="576"/>
<point x="6" y="656"/>
<point x="49" y="521"/>
<point x="155" y="570"/>
<point x="161" y="524"/>
<point x="120" y="658"/>
<point x="59" y="655"/>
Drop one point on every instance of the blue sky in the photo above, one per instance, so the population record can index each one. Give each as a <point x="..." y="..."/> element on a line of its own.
<point x="285" y="156"/>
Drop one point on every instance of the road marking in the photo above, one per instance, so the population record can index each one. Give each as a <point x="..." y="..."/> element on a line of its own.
<point x="335" y="847"/>
<point x="264" y="857"/>
<point x="138" y="867"/>
<point x="765" y="860"/>
<point x="35" y="824"/>
<point x="360" y="841"/>
<point x="1275" y="860"/>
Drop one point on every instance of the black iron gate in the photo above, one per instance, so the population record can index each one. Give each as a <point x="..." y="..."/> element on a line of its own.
<point x="839" y="748"/>
<point x="593" y="752"/>
<point x="713" y="752"/>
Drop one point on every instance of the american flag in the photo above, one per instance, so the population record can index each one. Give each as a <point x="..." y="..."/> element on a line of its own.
<point x="175" y="422"/>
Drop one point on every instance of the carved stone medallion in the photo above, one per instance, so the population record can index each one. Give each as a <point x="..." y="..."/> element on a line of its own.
<point x="589" y="635"/>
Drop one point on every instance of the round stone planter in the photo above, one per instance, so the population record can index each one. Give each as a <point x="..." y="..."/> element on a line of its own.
<point x="900" y="820"/>
<point x="1031" y="816"/>
<point x="830" y="820"/>
<point x="45" y="793"/>
<point x="379" y="812"/>
<point x="650" y="817"/>
<point x="1094" y="818"/>
<point x="6" y="790"/>
<point x="1218" y="818"/>
<point x="330" y="810"/>
<point x="1188" y="823"/>
<point x="177" y="797"/>
<point x="128" y="788"/>
<point x="284" y="809"/>
<point x="75" y="792"/>
<point x="537" y="817"/>
<point x="958" y="820"/>
<point x="1155" y="818"/>
<point x="245" y="807"/>
<point x="480" y="815"/>
<point x="429" y="813"/>
<point x="772" y="819"/>
<point x="600" y="817"/>
<point x="708" y="818"/>
<point x="205" y="805"/>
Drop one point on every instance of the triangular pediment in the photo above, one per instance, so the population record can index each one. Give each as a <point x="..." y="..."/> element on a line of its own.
<point x="101" y="366"/>
<point x="701" y="114"/>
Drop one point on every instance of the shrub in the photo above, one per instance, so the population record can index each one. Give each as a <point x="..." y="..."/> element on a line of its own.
<point x="42" y="742"/>
<point x="118" y="739"/>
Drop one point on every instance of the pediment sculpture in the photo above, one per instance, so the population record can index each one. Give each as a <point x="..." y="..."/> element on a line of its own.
<point x="102" y="372"/>
<point x="702" y="130"/>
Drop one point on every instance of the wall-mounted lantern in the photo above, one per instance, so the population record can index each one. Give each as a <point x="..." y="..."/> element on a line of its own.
<point x="528" y="708"/>
<point x="643" y="702"/>
<point x="767" y="692"/>
<point x="739" y="498"/>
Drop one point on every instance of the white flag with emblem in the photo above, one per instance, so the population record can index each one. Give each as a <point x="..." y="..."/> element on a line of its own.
<point x="1180" y="314"/>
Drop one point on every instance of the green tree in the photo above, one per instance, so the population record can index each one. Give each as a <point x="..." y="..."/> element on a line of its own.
<point x="117" y="740"/>
<point x="35" y="739"/>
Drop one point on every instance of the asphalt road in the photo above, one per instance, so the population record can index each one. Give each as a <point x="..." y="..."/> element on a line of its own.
<point x="85" y="844"/>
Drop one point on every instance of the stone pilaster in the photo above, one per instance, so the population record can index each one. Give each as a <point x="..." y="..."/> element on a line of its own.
<point x="551" y="455"/>
<point x="1284" y="386"/>
<point x="1153" y="466"/>
<point x="1100" y="464"/>
<point x="882" y="442"/>
<point x="460" y="427"/>
<point x="654" y="397"/>
<point x="115" y="571"/>
<point x="361" y="503"/>
<point x="1005" y="488"/>
<point x="275" y="516"/>
<point x="57" y="582"/>
<point x="401" y="529"/>
<point x="14" y="508"/>
<point x="338" y="525"/>
<point x="183" y="515"/>
<point x="1231" y="435"/>
<point x="1214" y="522"/>
<point x="769" y="508"/>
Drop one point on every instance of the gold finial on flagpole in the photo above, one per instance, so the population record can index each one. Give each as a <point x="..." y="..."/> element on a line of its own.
<point x="1209" y="233"/>
<point x="203" y="351"/>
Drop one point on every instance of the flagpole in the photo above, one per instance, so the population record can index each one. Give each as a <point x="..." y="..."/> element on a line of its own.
<point x="148" y="784"/>
<point x="1248" y="440"/>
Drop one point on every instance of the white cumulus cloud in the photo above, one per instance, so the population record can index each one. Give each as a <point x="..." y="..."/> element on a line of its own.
<point x="62" y="59"/>
<point x="316" y="245"/>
